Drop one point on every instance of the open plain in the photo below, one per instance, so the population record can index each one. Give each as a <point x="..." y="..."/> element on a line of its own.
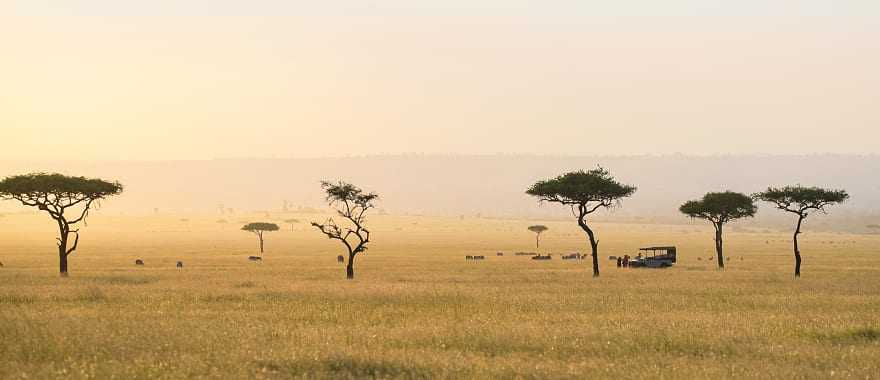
<point x="418" y="309"/>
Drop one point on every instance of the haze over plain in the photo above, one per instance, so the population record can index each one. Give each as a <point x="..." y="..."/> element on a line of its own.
<point x="168" y="80"/>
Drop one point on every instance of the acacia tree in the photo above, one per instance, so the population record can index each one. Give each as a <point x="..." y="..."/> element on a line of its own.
<point x="352" y="205"/>
<point x="584" y="192"/>
<point x="258" y="229"/>
<point x="720" y="208"/>
<point x="66" y="199"/>
<point x="538" y="229"/>
<point x="292" y="222"/>
<point x="801" y="200"/>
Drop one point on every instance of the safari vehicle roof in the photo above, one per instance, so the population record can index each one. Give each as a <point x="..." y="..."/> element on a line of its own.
<point x="666" y="248"/>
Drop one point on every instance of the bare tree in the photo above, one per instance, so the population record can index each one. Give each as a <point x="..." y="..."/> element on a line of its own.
<point x="352" y="205"/>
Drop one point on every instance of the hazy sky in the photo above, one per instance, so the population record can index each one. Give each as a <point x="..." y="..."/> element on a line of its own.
<point x="176" y="79"/>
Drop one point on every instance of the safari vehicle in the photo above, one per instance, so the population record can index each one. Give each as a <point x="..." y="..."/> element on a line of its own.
<point x="654" y="257"/>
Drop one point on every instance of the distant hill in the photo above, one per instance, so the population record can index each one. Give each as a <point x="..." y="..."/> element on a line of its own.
<point x="491" y="186"/>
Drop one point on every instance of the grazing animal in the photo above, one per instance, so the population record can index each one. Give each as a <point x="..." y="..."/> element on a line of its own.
<point x="699" y="259"/>
<point x="255" y="258"/>
<point x="499" y="254"/>
<point x="468" y="257"/>
<point x="540" y="257"/>
<point x="1" y="264"/>
<point x="139" y="262"/>
<point x="180" y="264"/>
<point x="340" y="259"/>
<point x="573" y="256"/>
<point x="477" y="257"/>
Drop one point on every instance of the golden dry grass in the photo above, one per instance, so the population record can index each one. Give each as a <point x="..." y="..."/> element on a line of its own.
<point x="419" y="310"/>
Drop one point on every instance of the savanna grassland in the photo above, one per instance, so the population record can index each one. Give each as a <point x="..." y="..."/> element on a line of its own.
<point x="418" y="309"/>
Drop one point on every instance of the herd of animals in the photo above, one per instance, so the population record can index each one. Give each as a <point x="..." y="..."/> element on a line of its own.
<point x="140" y="262"/>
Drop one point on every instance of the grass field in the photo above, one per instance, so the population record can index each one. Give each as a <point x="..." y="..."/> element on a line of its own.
<point x="417" y="309"/>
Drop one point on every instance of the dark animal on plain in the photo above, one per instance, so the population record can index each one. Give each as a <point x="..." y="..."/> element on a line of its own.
<point x="619" y="262"/>
<point x="255" y="258"/>
<point x="573" y="256"/>
<point x="499" y="254"/>
<point x="180" y="264"/>
<point x="468" y="257"/>
<point x="340" y="259"/>
<point x="139" y="262"/>
<point x="1" y="264"/>
<point x="699" y="259"/>
<point x="612" y="257"/>
<point x="710" y="258"/>
<point x="740" y="258"/>
<point x="479" y="257"/>
<point x="541" y="257"/>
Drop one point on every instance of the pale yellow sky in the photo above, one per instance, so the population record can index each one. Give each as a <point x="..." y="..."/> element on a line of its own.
<point x="220" y="79"/>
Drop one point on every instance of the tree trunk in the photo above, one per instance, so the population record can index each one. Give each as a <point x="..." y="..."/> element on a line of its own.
<point x="261" y="244"/>
<point x="62" y="247"/>
<point x="797" y="252"/>
<point x="719" y="245"/>
<point x="594" y="246"/>
<point x="62" y="260"/>
<point x="349" y="269"/>
<point x="538" y="242"/>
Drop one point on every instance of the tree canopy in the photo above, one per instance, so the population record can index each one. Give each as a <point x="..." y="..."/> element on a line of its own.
<point x="720" y="207"/>
<point x="347" y="193"/>
<point x="56" y="189"/>
<point x="538" y="228"/>
<point x="260" y="227"/>
<point x="800" y="199"/>
<point x="581" y="188"/>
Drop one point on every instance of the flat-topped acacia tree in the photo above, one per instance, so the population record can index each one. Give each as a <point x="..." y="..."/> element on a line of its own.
<point x="66" y="199"/>
<point x="258" y="229"/>
<point x="352" y="204"/>
<point x="538" y="230"/>
<point x="585" y="192"/>
<point x="801" y="200"/>
<point x="720" y="208"/>
<point x="292" y="222"/>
